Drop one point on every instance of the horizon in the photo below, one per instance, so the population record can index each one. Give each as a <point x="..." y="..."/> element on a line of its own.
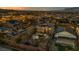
<point x="34" y="8"/>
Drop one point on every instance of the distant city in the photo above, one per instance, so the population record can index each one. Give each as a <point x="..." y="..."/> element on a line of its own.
<point x="39" y="28"/>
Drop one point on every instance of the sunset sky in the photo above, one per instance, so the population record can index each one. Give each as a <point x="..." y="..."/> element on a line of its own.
<point x="15" y="8"/>
<point x="33" y="8"/>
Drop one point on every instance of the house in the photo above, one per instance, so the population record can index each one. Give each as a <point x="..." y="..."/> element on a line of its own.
<point x="65" y="38"/>
<point x="3" y="29"/>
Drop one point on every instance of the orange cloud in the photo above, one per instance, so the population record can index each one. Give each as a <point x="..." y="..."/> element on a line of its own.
<point x="15" y="8"/>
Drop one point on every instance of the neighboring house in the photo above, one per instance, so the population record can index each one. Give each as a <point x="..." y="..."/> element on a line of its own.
<point x="65" y="38"/>
<point x="4" y="30"/>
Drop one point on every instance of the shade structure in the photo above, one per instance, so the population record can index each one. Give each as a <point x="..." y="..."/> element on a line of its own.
<point x="65" y="34"/>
